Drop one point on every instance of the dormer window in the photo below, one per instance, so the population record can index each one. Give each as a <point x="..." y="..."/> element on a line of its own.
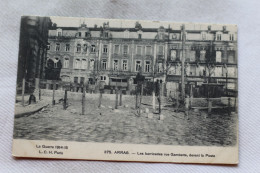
<point x="203" y="36"/>
<point x="126" y="34"/>
<point x="59" y="32"/>
<point x="139" y="36"/>
<point x="79" y="34"/>
<point x="231" y="37"/>
<point x="161" y="36"/>
<point x="86" y="34"/>
<point x="218" y="36"/>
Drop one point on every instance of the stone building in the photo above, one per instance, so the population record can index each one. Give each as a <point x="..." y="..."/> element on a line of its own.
<point x="115" y="55"/>
<point x="32" y="51"/>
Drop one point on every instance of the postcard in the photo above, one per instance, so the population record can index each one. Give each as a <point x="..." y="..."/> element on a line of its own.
<point x="126" y="90"/>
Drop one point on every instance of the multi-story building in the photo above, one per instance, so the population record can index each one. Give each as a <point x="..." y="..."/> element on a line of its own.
<point x="32" y="51"/>
<point x="116" y="55"/>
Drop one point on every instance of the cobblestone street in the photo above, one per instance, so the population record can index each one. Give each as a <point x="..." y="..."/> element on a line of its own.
<point x="125" y="126"/>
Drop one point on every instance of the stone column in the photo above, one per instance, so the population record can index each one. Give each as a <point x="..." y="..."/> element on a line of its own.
<point x="109" y="55"/>
<point x="132" y="57"/>
<point x="99" y="54"/>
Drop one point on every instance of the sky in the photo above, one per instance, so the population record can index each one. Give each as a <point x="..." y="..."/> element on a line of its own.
<point x="119" y="23"/>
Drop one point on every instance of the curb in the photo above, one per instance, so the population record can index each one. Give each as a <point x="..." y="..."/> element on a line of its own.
<point x="29" y="113"/>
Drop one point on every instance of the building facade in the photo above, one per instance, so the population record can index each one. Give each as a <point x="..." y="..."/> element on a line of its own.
<point x="32" y="51"/>
<point x="116" y="55"/>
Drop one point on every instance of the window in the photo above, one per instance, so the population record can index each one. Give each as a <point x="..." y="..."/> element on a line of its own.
<point x="66" y="63"/>
<point x="84" y="64"/>
<point x="202" y="55"/>
<point x="78" y="48"/>
<point x="139" y="36"/>
<point x="115" y="67"/>
<point x="116" y="49"/>
<point x="218" y="37"/>
<point x="231" y="37"/>
<point x="77" y="64"/>
<point x="231" y="56"/>
<point x="106" y="34"/>
<point x="126" y="34"/>
<point x="86" y="34"/>
<point x="181" y="55"/>
<point x="192" y="70"/>
<point x="65" y="78"/>
<point x="160" y="51"/>
<point x="67" y="47"/>
<point x="148" y="50"/>
<point x="56" y="60"/>
<point x="48" y="46"/>
<point x="93" y="48"/>
<point x="103" y="78"/>
<point x="124" y="65"/>
<point x="192" y="55"/>
<point x="160" y="68"/>
<point x="218" y="56"/>
<point x="82" y="79"/>
<point x="85" y="48"/>
<point x="125" y="51"/>
<point x="79" y="34"/>
<point x="90" y="81"/>
<point x="91" y="64"/>
<point x="231" y="71"/>
<point x="105" y="49"/>
<point x="59" y="32"/>
<point x="75" y="79"/>
<point x="139" y="50"/>
<point x="174" y="36"/>
<point x="147" y="66"/>
<point x="104" y="64"/>
<point x="57" y="46"/>
<point x="173" y="55"/>
<point x="161" y="36"/>
<point x="203" y="36"/>
<point x="137" y="66"/>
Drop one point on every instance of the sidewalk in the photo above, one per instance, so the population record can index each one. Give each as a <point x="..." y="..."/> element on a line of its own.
<point x="27" y="110"/>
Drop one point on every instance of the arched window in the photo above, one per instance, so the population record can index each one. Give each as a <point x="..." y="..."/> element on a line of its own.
<point x="56" y="60"/>
<point x="77" y="64"/>
<point x="85" y="47"/>
<point x="66" y="63"/>
<point x="91" y="64"/>
<point x="78" y="48"/>
<point x="84" y="64"/>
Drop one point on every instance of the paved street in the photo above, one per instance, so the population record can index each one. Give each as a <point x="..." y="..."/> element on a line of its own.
<point x="125" y="126"/>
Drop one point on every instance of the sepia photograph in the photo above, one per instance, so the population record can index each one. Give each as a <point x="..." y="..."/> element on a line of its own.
<point x="126" y="83"/>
